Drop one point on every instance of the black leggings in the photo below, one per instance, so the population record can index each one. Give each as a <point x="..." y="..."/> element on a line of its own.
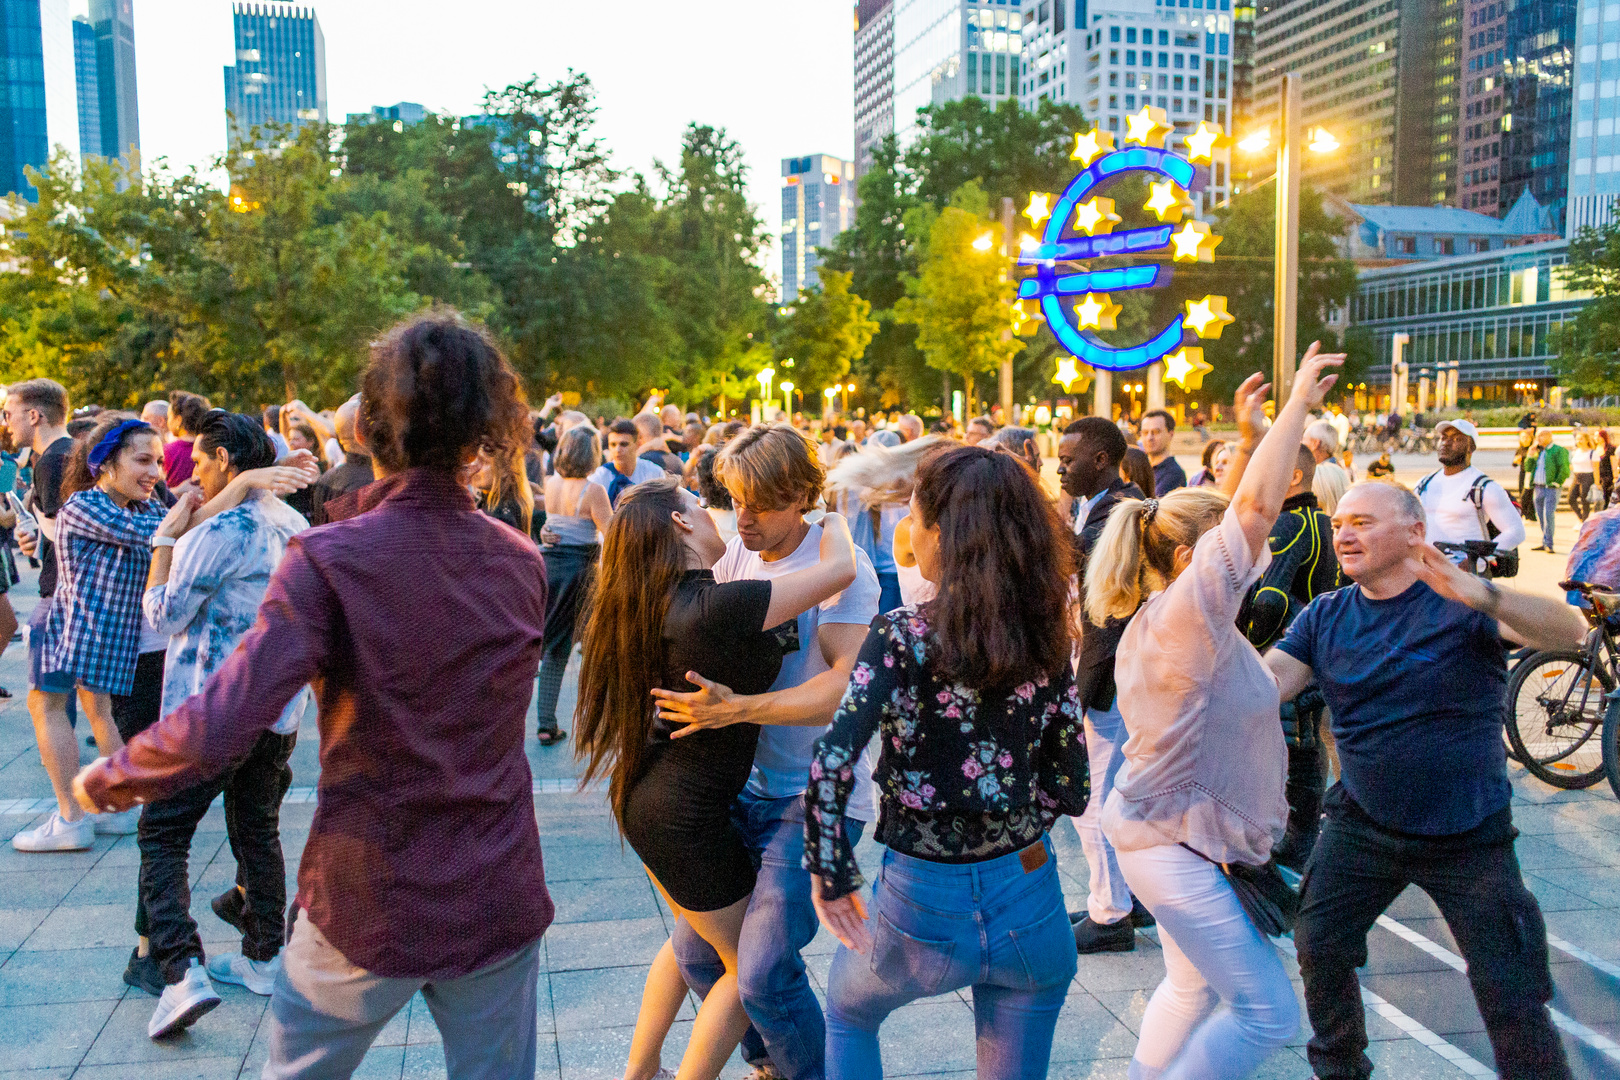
<point x="1580" y="494"/>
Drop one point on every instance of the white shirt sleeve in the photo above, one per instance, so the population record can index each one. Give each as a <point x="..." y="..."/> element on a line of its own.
<point x="1508" y="521"/>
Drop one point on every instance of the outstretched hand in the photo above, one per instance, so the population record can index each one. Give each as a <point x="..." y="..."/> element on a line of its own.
<point x="844" y="918"/>
<point x="712" y="705"/>
<point x="1310" y="384"/>
<point x="1445" y="577"/>
<point x="1249" y="405"/>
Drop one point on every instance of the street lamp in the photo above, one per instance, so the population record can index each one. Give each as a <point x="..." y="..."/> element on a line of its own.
<point x="847" y="389"/>
<point x="787" y="396"/>
<point x="1285" y="294"/>
<point x="829" y="393"/>
<point x="765" y="376"/>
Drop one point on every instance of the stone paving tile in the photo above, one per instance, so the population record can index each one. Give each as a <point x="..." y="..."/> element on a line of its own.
<point x="227" y="1067"/>
<point x="44" y="1036"/>
<point x="624" y="943"/>
<point x="42" y="888"/>
<point x="43" y="978"/>
<point x="601" y="998"/>
<point x="602" y="900"/>
<point x="227" y="1031"/>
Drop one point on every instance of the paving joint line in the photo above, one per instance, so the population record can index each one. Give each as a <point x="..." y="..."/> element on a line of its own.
<point x="1594" y="1039"/>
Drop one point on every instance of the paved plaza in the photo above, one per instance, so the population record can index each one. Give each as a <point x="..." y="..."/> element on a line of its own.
<point x="66" y="932"/>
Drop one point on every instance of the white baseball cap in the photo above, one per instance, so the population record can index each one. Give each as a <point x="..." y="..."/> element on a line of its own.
<point x="1463" y="426"/>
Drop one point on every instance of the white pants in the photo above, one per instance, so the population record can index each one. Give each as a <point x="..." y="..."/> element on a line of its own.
<point x="1225" y="1004"/>
<point x="1109" y="898"/>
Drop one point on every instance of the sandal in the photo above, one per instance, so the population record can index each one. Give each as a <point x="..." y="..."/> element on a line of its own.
<point x="550" y="736"/>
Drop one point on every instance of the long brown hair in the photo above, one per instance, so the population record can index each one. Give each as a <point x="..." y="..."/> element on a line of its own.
<point x="508" y="478"/>
<point x="643" y="559"/>
<point x="1001" y="615"/>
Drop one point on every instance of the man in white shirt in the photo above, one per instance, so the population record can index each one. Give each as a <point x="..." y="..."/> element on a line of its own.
<point x="775" y="477"/>
<point x="621" y="469"/>
<point x="1458" y="496"/>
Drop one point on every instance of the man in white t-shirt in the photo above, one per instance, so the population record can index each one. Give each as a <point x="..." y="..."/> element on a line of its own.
<point x="775" y="477"/>
<point x="1453" y="495"/>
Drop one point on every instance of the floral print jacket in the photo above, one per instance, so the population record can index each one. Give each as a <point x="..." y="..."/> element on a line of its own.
<point x="962" y="779"/>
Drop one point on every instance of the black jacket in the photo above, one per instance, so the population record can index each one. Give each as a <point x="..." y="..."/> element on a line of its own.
<point x="1302" y="568"/>
<point x="1095" y="675"/>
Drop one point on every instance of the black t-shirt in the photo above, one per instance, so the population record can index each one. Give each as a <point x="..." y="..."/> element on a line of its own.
<point x="718" y="630"/>
<point x="48" y="472"/>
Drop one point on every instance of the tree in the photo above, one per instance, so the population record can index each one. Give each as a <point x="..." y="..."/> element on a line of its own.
<point x="959" y="297"/>
<point x="1010" y="151"/>
<point x="826" y="329"/>
<point x="1588" y="362"/>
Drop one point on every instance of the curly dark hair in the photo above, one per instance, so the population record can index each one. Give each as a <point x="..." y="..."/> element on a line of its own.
<point x="715" y="495"/>
<point x="1002" y="614"/>
<point x="436" y="391"/>
<point x="242" y="437"/>
<point x="189" y="409"/>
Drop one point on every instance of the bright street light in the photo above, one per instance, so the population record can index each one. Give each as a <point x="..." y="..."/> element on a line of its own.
<point x="985" y="242"/>
<point x="1322" y="141"/>
<point x="1255" y="142"/>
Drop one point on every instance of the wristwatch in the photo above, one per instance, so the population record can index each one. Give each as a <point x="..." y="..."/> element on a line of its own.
<point x="162" y="541"/>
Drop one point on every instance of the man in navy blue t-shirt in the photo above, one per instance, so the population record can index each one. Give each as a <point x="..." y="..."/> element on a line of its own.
<point x="1411" y="661"/>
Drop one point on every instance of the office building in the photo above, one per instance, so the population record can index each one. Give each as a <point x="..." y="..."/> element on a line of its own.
<point x="818" y="203"/>
<point x="874" y="78"/>
<point x="1594" y="151"/>
<point x="1486" y="107"/>
<point x="948" y="49"/>
<point x="1539" y="102"/>
<point x="280" y="71"/>
<point x="39" y="93"/>
<point x="1381" y="235"/>
<point x="1495" y="315"/>
<point x="399" y="114"/>
<point x="1383" y="77"/>
<point x="87" y="86"/>
<point x="1131" y="53"/>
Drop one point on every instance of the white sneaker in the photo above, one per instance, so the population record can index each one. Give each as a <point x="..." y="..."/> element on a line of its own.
<point x="258" y="976"/>
<point x="183" y="1003"/>
<point x="122" y="823"/>
<point x="57" y="834"/>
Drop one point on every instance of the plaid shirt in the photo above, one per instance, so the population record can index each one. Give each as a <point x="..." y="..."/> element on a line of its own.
<point x="103" y="552"/>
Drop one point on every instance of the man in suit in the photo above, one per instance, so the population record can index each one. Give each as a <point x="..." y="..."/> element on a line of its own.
<point x="1088" y="468"/>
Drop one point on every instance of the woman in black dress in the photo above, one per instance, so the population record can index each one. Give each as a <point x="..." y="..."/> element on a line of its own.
<point x="657" y="616"/>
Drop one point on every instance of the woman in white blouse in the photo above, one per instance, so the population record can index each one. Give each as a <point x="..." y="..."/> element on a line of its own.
<point x="1205" y="762"/>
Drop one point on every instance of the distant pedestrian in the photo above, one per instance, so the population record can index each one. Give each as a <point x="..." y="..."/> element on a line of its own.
<point x="1157" y="429"/>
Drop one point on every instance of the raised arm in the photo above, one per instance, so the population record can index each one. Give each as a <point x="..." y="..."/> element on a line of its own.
<point x="804" y="589"/>
<point x="1537" y="621"/>
<point x="102" y="520"/>
<point x="1264" y="480"/>
<point x="276" y="479"/>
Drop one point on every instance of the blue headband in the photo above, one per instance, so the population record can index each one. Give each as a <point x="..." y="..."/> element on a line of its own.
<point x="110" y="442"/>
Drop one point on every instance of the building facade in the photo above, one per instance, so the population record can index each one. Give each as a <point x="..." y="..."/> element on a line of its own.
<point x="39" y="91"/>
<point x="119" y="111"/>
<point x="280" y="70"/>
<point x="1539" y="73"/>
<point x="818" y="203"/>
<point x="88" y="86"/>
<point x="1486" y="107"/>
<point x="874" y="78"/>
<point x="399" y="114"/>
<point x="947" y="49"/>
<point x="1594" y="151"/>
<point x="1495" y="315"/>
<point x="1384" y="77"/>
<point x="1131" y="53"/>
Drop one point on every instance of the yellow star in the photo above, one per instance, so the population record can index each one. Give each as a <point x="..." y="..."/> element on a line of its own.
<point x="1194" y="243"/>
<point x="1096" y="216"/>
<point x="1208" y="317"/>
<point x="1026" y="317"/>
<point x="1148" y="127"/>
<point x="1097" y="312"/>
<point x="1067" y="373"/>
<point x="1186" y="367"/>
<point x="1040" y="207"/>
<point x="1202" y="144"/>
<point x="1167" y="202"/>
<point x="1091" y="146"/>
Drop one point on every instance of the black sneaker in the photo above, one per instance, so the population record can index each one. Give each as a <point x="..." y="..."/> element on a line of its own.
<point x="143" y="973"/>
<point x="1141" y="917"/>
<point x="231" y="906"/>
<point x="1091" y="937"/>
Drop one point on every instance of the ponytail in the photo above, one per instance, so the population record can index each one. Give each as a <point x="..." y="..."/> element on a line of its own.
<point x="1136" y="553"/>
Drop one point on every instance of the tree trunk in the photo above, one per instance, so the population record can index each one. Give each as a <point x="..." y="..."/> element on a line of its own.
<point x="945" y="393"/>
<point x="967" y="396"/>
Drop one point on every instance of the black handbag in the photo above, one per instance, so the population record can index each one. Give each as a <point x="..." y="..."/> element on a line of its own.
<point x="1269" y="901"/>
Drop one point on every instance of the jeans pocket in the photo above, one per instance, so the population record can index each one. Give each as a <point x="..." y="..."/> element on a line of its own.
<point x="1046" y="950"/>
<point x="906" y="962"/>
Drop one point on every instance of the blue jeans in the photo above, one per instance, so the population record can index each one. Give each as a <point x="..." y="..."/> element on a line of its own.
<point x="938" y="927"/>
<point x="788" y="1031"/>
<point x="889" y="596"/>
<point x="1546" y="496"/>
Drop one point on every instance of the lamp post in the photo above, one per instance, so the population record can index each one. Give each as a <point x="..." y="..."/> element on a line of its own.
<point x="829" y="393"/>
<point x="765" y="376"/>
<point x="787" y="398"/>
<point x="847" y="389"/>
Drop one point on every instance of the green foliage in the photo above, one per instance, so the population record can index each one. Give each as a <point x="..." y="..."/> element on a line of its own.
<point x="1588" y="363"/>
<point x="823" y="332"/>
<point x="1009" y="151"/>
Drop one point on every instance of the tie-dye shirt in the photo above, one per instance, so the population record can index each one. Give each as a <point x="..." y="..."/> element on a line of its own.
<point x="217" y="580"/>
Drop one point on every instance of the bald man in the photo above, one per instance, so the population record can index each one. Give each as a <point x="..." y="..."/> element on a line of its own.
<point x="911" y="427"/>
<point x="156" y="413"/>
<point x="355" y="472"/>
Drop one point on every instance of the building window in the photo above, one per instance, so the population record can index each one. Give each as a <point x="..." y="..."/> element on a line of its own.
<point x="1164" y="60"/>
<point x="1130" y="57"/>
<point x="1176" y="83"/>
<point x="1192" y="83"/>
<point x="1113" y="121"/>
<point x="1478" y="245"/>
<point x="1130" y="102"/>
<point x="1113" y="33"/>
<point x="1164" y="37"/>
<point x="1164" y="84"/>
<point x="1179" y="61"/>
<point x="1130" y="35"/>
<point x="1113" y="101"/>
<point x="1405" y="245"/>
<point x="1444" y="246"/>
<point x="1113" y="56"/>
<point x="1113" y="78"/>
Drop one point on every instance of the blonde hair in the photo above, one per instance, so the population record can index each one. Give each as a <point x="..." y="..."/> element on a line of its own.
<point x="1136" y="553"/>
<point x="771" y="467"/>
<point x="1329" y="486"/>
<point x="883" y="475"/>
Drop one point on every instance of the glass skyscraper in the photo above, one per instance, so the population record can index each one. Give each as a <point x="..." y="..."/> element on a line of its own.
<point x="39" y="99"/>
<point x="89" y="88"/>
<point x="104" y="69"/>
<point x="818" y="203"/>
<point x="280" y="70"/>
<point x="1539" y="71"/>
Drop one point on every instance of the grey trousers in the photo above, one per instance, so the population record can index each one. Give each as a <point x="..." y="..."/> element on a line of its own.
<point x="325" y="1012"/>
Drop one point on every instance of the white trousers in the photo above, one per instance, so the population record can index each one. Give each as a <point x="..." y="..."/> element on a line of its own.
<point x="1108" y="898"/>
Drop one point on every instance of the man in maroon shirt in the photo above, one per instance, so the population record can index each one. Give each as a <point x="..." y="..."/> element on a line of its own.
<point x="423" y="868"/>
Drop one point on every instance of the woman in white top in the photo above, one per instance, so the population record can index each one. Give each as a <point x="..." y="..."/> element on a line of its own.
<point x="1583" y="465"/>
<point x="1205" y="762"/>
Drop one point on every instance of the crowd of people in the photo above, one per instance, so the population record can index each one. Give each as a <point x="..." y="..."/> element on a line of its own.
<point x="787" y="643"/>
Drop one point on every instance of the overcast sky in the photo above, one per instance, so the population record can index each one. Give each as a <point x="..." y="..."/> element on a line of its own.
<point x="776" y="75"/>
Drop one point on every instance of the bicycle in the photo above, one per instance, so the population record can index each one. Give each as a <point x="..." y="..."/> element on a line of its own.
<point x="1557" y="700"/>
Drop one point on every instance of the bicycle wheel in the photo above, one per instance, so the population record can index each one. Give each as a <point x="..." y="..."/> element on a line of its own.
<point x="1555" y="710"/>
<point x="1611" y="743"/>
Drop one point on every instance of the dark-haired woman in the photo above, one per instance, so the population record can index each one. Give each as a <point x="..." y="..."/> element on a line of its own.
<point x="501" y="489"/>
<point x="422" y="871"/>
<point x="186" y="412"/>
<point x="1136" y="468"/>
<point x="92" y="632"/>
<point x="579" y="512"/>
<point x="974" y="702"/>
<point x="658" y="615"/>
<point x="301" y="436"/>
